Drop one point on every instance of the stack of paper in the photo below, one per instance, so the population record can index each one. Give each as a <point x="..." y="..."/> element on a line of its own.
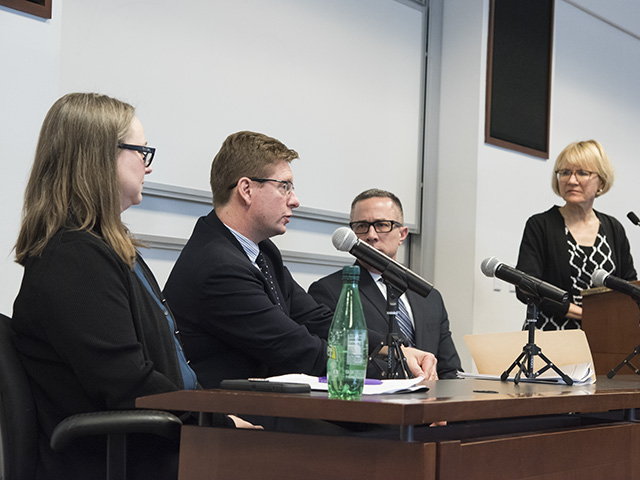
<point x="371" y="387"/>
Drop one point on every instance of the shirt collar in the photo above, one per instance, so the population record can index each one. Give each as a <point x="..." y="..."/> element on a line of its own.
<point x="250" y="248"/>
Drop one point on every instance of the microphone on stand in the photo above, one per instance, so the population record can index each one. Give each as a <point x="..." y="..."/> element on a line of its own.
<point x="492" y="267"/>
<point x="345" y="240"/>
<point x="634" y="218"/>
<point x="603" y="278"/>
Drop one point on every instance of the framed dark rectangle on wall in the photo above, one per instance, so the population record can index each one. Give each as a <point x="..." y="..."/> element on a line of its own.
<point x="518" y="98"/>
<point x="39" y="8"/>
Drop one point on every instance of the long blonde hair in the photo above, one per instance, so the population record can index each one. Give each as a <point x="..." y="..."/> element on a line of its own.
<point x="74" y="180"/>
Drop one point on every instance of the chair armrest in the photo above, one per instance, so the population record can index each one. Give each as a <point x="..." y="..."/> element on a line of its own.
<point x="114" y="422"/>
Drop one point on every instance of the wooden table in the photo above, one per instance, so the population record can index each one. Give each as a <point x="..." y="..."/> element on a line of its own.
<point x="496" y="430"/>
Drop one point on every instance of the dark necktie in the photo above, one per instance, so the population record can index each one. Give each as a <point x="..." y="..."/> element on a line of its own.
<point x="264" y="268"/>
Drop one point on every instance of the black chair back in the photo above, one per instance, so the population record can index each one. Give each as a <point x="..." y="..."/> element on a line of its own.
<point x="18" y="423"/>
<point x="19" y="426"/>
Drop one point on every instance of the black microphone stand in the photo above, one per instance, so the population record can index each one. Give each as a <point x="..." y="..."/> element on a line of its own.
<point x="627" y="361"/>
<point x="396" y="361"/>
<point x="524" y="362"/>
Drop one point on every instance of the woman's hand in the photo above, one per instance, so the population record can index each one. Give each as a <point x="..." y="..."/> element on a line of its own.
<point x="574" y="311"/>
<point x="240" y="423"/>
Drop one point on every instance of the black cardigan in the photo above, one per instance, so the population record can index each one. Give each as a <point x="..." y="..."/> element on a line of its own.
<point x="91" y="338"/>
<point x="544" y="254"/>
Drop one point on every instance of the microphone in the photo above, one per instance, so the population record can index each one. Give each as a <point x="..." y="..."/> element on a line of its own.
<point x="396" y="274"/>
<point x="603" y="278"/>
<point x="634" y="218"/>
<point x="530" y="286"/>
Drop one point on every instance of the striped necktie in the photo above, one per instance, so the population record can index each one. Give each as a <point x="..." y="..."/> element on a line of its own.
<point x="403" y="319"/>
<point x="404" y="322"/>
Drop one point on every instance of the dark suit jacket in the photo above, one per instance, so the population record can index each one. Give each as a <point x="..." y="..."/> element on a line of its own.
<point x="229" y="325"/>
<point x="430" y="316"/>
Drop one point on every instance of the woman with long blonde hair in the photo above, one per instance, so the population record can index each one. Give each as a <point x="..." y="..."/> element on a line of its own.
<point x="90" y="323"/>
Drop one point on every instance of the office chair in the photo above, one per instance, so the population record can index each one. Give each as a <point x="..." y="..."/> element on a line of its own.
<point x="19" y="427"/>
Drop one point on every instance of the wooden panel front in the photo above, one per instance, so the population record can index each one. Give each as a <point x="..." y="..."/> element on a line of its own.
<point x="588" y="453"/>
<point x="211" y="453"/>
<point x="611" y="322"/>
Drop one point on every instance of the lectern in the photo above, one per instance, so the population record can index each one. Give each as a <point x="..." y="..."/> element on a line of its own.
<point x="611" y="321"/>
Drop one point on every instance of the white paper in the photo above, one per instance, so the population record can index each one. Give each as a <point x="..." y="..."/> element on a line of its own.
<point x="385" y="386"/>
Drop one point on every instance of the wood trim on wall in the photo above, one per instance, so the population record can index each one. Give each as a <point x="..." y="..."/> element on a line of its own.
<point x="39" y="8"/>
<point x="519" y="60"/>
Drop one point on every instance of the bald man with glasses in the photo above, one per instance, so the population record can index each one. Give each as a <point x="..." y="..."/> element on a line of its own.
<point x="423" y="323"/>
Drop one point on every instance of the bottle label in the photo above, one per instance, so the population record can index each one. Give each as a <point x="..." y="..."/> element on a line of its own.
<point x="331" y="352"/>
<point x="355" y="348"/>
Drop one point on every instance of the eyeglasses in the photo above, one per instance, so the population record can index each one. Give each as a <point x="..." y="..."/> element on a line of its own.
<point x="380" y="226"/>
<point x="285" y="185"/>
<point x="565" y="174"/>
<point x="147" y="152"/>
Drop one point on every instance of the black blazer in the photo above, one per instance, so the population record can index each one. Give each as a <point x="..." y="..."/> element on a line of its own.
<point x="430" y="316"/>
<point x="229" y="325"/>
<point x="91" y="338"/>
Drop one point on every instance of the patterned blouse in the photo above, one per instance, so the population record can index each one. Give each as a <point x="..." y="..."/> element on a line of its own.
<point x="583" y="261"/>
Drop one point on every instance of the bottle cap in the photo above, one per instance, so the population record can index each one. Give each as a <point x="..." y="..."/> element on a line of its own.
<point x="350" y="273"/>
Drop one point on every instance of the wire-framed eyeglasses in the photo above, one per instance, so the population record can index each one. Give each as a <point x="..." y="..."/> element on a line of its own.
<point x="380" y="226"/>
<point x="147" y="152"/>
<point x="285" y="186"/>
<point x="581" y="175"/>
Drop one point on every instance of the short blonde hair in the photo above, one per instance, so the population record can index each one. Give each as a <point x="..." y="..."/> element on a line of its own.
<point x="586" y="155"/>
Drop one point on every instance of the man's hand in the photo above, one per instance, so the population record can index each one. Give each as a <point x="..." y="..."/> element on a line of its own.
<point x="421" y="364"/>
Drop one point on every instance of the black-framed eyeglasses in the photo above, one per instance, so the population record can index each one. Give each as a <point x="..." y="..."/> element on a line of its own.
<point x="565" y="174"/>
<point x="285" y="185"/>
<point x="147" y="152"/>
<point x="380" y="226"/>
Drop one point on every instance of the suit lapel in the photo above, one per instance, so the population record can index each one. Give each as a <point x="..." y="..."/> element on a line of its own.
<point x="372" y="293"/>
<point x="417" y="302"/>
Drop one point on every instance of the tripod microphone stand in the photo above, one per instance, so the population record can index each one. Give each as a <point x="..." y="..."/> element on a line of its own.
<point x="525" y="360"/>
<point x="396" y="361"/>
<point x="627" y="361"/>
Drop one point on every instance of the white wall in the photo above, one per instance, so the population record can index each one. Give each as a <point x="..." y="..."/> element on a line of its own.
<point x="337" y="80"/>
<point x="485" y="193"/>
<point x="477" y="198"/>
<point x="30" y="59"/>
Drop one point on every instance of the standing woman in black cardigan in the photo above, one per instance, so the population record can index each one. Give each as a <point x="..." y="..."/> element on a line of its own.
<point x="89" y="321"/>
<point x="565" y="245"/>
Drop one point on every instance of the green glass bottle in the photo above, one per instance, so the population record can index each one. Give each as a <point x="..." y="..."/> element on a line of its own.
<point x="348" y="344"/>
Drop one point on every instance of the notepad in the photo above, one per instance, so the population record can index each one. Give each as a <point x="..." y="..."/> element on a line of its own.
<point x="494" y="353"/>
<point x="581" y="374"/>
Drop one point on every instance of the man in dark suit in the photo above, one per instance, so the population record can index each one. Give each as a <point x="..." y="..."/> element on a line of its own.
<point x="377" y="218"/>
<point x="239" y="311"/>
